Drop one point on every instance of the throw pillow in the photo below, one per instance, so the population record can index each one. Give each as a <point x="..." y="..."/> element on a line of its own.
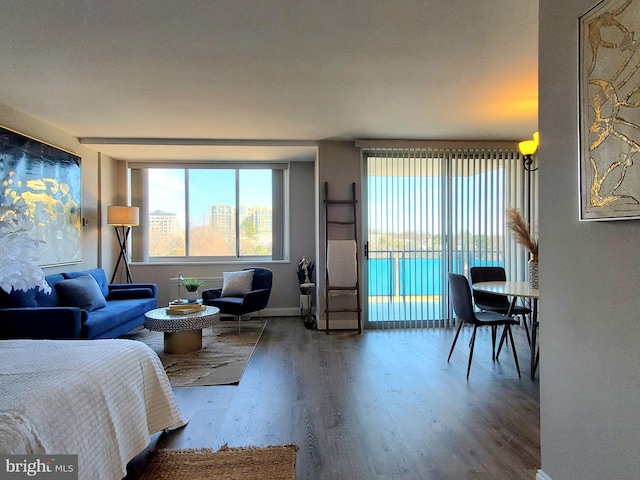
<point x="236" y="284"/>
<point x="83" y="292"/>
<point x="97" y="273"/>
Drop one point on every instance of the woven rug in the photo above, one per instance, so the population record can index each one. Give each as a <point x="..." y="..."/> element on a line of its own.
<point x="252" y="463"/>
<point x="221" y="361"/>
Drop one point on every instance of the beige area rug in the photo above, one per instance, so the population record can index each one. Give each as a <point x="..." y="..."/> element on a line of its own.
<point x="252" y="463"/>
<point x="221" y="361"/>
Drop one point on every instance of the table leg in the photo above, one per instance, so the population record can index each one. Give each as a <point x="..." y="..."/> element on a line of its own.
<point x="183" y="342"/>
<point x="534" y="331"/>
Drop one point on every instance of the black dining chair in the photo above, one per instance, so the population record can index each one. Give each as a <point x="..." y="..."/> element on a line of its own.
<point x="461" y="300"/>
<point x="493" y="302"/>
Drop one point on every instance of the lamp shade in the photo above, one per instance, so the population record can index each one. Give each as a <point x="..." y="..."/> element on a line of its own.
<point x="536" y="138"/>
<point x="122" y="215"/>
<point x="528" y="147"/>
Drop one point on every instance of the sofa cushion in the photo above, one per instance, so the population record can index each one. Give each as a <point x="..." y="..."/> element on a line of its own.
<point x="236" y="284"/>
<point x="34" y="297"/>
<point x="83" y="292"/>
<point x="97" y="273"/>
<point x="118" y="312"/>
<point x="125" y="293"/>
<point x="18" y="298"/>
<point x="50" y="299"/>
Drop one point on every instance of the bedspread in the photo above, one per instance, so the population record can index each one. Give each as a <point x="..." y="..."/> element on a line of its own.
<point x="99" y="399"/>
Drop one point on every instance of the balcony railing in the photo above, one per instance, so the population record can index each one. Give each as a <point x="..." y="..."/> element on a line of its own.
<point x="411" y="285"/>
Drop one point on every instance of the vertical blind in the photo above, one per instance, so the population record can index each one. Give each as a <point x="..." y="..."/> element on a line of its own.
<point x="430" y="211"/>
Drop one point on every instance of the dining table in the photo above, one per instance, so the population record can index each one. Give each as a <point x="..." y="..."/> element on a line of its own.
<point x="517" y="290"/>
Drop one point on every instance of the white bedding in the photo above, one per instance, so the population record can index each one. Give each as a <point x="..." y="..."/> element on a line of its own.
<point x="99" y="399"/>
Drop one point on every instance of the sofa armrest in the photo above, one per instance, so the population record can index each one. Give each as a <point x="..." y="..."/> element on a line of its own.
<point x="121" y="291"/>
<point x="211" y="294"/>
<point x="41" y="322"/>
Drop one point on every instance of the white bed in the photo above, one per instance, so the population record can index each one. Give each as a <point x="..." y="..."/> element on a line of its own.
<point x="99" y="399"/>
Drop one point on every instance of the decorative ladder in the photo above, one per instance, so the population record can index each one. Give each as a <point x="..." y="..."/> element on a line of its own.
<point x="329" y="287"/>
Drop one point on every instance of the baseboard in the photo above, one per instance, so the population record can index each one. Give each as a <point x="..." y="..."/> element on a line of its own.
<point x="273" y="312"/>
<point x="542" y="476"/>
<point x="339" y="324"/>
<point x="281" y="312"/>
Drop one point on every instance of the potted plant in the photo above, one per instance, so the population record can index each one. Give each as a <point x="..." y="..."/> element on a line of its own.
<point x="523" y="235"/>
<point x="191" y="285"/>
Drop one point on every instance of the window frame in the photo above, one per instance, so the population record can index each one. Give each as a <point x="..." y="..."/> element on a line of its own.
<point x="138" y="181"/>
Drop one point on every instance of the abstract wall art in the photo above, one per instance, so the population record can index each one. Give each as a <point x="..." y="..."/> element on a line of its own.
<point x="610" y="111"/>
<point x="42" y="184"/>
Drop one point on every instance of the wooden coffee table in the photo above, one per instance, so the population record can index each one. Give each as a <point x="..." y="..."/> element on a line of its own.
<point x="182" y="332"/>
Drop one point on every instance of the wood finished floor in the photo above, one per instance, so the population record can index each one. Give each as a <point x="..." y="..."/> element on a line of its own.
<point x="381" y="405"/>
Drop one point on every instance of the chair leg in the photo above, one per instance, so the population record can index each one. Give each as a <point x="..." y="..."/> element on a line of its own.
<point x="494" y="329"/>
<point x="239" y="320"/>
<point x="455" y="339"/>
<point x="525" y="320"/>
<point x="513" y="348"/>
<point x="473" y="344"/>
<point x="503" y="338"/>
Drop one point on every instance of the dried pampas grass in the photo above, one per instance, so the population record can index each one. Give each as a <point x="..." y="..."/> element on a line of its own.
<point x="521" y="232"/>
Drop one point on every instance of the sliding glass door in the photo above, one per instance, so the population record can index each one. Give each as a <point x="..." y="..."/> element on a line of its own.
<point x="429" y="212"/>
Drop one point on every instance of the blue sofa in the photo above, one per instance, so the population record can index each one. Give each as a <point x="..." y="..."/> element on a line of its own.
<point x="76" y="308"/>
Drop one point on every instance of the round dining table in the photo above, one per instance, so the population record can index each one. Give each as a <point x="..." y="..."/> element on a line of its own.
<point x="517" y="290"/>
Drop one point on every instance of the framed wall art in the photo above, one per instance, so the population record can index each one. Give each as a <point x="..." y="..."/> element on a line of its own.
<point x="41" y="184"/>
<point x="610" y="111"/>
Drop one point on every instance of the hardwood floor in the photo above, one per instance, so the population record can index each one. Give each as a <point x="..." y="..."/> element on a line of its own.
<point x="381" y="405"/>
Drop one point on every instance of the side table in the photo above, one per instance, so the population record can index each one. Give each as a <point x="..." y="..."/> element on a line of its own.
<point x="182" y="332"/>
<point x="306" y="304"/>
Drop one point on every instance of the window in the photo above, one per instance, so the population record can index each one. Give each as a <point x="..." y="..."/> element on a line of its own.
<point x="431" y="211"/>
<point x="220" y="212"/>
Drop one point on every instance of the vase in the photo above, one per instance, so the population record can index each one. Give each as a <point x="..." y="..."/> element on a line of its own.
<point x="533" y="274"/>
<point x="192" y="296"/>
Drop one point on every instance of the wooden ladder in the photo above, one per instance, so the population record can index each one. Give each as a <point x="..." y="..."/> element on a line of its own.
<point x="329" y="223"/>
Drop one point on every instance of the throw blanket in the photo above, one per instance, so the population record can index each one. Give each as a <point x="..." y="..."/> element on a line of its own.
<point x="99" y="399"/>
<point x="341" y="264"/>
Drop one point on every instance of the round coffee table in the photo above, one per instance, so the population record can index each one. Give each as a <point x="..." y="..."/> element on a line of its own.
<point x="182" y="332"/>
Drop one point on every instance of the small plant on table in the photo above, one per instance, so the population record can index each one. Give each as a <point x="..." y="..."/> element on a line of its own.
<point x="192" y="284"/>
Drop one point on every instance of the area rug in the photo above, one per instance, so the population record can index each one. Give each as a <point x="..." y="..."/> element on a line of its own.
<point x="251" y="463"/>
<point x="221" y="361"/>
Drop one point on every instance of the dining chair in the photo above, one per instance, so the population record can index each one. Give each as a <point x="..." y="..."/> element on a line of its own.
<point x="462" y="302"/>
<point x="493" y="302"/>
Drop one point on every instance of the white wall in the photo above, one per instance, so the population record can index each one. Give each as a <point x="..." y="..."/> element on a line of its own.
<point x="590" y="357"/>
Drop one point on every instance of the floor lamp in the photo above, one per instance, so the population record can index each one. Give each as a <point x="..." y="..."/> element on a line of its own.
<point x="122" y="218"/>
<point x="527" y="149"/>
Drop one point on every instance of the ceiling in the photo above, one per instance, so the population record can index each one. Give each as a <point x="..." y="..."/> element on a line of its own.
<point x="267" y="79"/>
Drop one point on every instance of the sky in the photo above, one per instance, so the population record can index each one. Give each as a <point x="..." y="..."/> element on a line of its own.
<point x="395" y="203"/>
<point x="206" y="187"/>
<point x="402" y="203"/>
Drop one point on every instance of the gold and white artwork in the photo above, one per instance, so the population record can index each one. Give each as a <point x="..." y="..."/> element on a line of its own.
<point x="610" y="111"/>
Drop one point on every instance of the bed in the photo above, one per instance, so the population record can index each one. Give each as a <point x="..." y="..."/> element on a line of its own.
<point x="99" y="399"/>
